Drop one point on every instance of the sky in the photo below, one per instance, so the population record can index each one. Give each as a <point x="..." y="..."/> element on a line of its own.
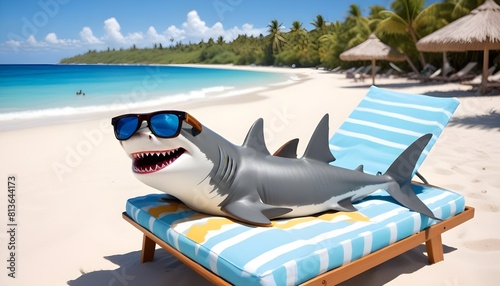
<point x="46" y="31"/>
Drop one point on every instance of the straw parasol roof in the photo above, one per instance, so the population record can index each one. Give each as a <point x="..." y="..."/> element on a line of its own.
<point x="478" y="31"/>
<point x="372" y="49"/>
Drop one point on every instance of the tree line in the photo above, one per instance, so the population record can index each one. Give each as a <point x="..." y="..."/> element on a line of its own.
<point x="400" y="27"/>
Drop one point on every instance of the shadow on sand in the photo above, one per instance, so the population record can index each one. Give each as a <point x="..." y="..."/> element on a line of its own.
<point x="167" y="270"/>
<point x="484" y="121"/>
<point x="164" y="270"/>
<point x="408" y="262"/>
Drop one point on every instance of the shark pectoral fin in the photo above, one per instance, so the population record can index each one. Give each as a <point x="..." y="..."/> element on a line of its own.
<point x="254" y="213"/>
<point x="346" y="205"/>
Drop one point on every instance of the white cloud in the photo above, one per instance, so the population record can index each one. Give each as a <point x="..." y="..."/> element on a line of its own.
<point x="87" y="36"/>
<point x="154" y="37"/>
<point x="51" y="38"/>
<point x="196" y="29"/>
<point x="32" y="41"/>
<point x="14" y="43"/>
<point x="246" y="29"/>
<point x="194" y="26"/>
<point x="112" y="29"/>
<point x="176" y="33"/>
<point x="113" y="32"/>
<point x="193" y="29"/>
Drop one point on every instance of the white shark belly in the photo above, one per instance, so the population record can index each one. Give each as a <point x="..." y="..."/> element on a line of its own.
<point x="204" y="198"/>
<point x="332" y="203"/>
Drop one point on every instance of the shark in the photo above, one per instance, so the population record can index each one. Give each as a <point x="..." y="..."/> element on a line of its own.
<point x="247" y="183"/>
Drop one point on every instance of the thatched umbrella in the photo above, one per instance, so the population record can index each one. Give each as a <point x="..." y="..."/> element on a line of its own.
<point x="478" y="31"/>
<point x="372" y="49"/>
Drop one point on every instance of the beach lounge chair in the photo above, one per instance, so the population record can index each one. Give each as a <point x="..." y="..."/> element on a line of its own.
<point x="352" y="73"/>
<point x="462" y="75"/>
<point x="477" y="79"/>
<point x="327" y="248"/>
<point x="493" y="80"/>
<point x="366" y="73"/>
<point x="426" y="78"/>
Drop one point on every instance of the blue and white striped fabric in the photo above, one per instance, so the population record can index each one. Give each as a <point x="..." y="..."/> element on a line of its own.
<point x="384" y="124"/>
<point x="292" y="251"/>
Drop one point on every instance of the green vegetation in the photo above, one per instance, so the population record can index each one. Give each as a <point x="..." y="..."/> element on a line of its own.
<point x="401" y="28"/>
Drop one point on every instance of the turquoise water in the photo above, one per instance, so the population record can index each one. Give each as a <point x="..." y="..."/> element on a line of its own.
<point x="37" y="91"/>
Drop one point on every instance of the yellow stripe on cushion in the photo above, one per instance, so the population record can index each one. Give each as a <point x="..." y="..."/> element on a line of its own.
<point x="172" y="207"/>
<point x="198" y="232"/>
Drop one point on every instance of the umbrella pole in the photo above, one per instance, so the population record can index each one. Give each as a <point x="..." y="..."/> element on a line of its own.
<point x="373" y="71"/>
<point x="484" y="82"/>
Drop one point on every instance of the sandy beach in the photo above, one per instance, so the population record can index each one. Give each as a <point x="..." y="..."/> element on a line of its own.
<point x="73" y="180"/>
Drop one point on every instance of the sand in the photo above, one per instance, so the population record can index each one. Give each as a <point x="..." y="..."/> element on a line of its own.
<point x="73" y="179"/>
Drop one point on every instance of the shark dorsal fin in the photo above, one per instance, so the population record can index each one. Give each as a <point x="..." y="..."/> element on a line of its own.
<point x="360" y="168"/>
<point x="318" y="148"/>
<point x="255" y="138"/>
<point x="288" y="150"/>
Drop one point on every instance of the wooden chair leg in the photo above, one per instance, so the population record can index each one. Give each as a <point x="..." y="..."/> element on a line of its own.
<point x="148" y="249"/>
<point x="434" y="248"/>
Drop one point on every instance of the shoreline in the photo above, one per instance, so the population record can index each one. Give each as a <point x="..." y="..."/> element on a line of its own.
<point x="129" y="103"/>
<point x="74" y="180"/>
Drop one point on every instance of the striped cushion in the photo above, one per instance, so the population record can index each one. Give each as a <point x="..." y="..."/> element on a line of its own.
<point x="292" y="251"/>
<point x="384" y="124"/>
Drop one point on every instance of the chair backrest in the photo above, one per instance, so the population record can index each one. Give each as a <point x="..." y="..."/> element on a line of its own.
<point x="436" y="73"/>
<point x="384" y="124"/>
<point x="465" y="70"/>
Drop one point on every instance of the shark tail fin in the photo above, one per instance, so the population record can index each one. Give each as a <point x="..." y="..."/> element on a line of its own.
<point x="401" y="172"/>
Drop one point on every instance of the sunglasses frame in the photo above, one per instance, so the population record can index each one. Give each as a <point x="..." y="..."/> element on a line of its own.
<point x="183" y="116"/>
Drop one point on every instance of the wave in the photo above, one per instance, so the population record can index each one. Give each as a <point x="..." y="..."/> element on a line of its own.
<point x="127" y="103"/>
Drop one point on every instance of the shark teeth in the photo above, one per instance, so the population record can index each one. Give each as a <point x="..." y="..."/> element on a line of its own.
<point x="152" y="161"/>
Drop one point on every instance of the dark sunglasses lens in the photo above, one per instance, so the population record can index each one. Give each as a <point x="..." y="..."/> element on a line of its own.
<point x="164" y="124"/>
<point x="126" y="127"/>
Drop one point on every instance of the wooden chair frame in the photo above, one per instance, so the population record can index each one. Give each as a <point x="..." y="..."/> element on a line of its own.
<point x="431" y="236"/>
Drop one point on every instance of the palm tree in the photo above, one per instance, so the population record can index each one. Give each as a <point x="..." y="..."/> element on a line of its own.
<point x="332" y="44"/>
<point x="298" y="36"/>
<point x="296" y="27"/>
<point x="319" y="23"/>
<point x="277" y="38"/>
<point x="359" y="26"/>
<point x="410" y="18"/>
<point x="220" y="40"/>
<point x="463" y="7"/>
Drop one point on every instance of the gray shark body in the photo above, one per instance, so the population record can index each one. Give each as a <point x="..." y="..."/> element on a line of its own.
<point x="249" y="184"/>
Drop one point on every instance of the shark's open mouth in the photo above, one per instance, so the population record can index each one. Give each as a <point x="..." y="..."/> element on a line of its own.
<point x="153" y="161"/>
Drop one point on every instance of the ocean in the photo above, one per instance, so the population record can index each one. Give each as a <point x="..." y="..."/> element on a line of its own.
<point x="52" y="91"/>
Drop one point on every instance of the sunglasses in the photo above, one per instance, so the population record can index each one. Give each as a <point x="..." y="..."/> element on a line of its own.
<point x="163" y="124"/>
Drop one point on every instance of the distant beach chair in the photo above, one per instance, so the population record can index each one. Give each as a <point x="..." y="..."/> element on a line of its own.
<point x="396" y="68"/>
<point x="337" y="69"/>
<point x="328" y="248"/>
<point x="462" y="75"/>
<point x="387" y="73"/>
<point x="477" y="79"/>
<point x="427" y="78"/>
<point x="352" y="73"/>
<point x="365" y="73"/>
<point x="492" y="83"/>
